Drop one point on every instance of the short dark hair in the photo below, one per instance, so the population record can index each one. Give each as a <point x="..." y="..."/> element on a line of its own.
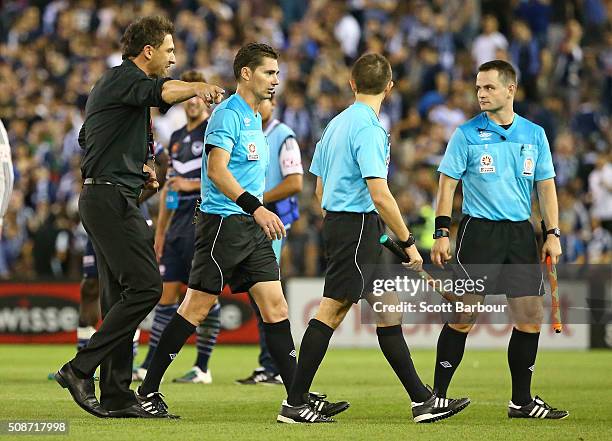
<point x="506" y="72"/>
<point x="145" y="31"/>
<point x="251" y="55"/>
<point x="193" y="76"/>
<point x="371" y="73"/>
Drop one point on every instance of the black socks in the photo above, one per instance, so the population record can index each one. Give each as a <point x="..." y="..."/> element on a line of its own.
<point x="522" y="351"/>
<point x="281" y="347"/>
<point x="393" y="346"/>
<point x="451" y="345"/>
<point x="172" y="340"/>
<point x="312" y="350"/>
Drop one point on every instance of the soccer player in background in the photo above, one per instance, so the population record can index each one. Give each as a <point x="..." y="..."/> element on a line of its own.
<point x="351" y="164"/>
<point x="234" y="230"/>
<point x="499" y="156"/>
<point x="174" y="236"/>
<point x="283" y="183"/>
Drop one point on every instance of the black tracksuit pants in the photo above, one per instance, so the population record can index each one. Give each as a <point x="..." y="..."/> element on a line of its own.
<point x="130" y="286"/>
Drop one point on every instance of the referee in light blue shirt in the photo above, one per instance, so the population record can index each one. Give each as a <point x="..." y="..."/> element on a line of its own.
<point x="499" y="156"/>
<point x="234" y="230"/>
<point x="351" y="162"/>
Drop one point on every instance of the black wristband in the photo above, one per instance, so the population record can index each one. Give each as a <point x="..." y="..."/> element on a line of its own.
<point x="443" y="222"/>
<point x="407" y="243"/>
<point x="248" y="202"/>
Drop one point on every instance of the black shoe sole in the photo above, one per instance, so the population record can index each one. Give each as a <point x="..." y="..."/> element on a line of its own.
<point x="281" y="419"/>
<point x="62" y="382"/>
<point x="446" y="415"/>
<point x="527" y="417"/>
<point x="149" y="416"/>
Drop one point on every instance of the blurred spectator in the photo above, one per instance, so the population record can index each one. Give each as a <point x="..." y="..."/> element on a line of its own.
<point x="600" y="187"/>
<point x="487" y="43"/>
<point x="525" y="55"/>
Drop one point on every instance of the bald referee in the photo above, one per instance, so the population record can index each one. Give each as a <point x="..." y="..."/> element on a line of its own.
<point x="351" y="162"/>
<point x="499" y="156"/>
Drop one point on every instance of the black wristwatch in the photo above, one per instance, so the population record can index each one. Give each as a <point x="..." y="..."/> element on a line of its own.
<point x="407" y="243"/>
<point x="555" y="231"/>
<point x="440" y="233"/>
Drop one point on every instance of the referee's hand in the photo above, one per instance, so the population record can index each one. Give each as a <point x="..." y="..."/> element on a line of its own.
<point x="440" y="251"/>
<point x="269" y="223"/>
<point x="210" y="93"/>
<point x="416" y="261"/>
<point x="552" y="248"/>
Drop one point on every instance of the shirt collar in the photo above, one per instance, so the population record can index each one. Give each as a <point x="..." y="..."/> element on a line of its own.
<point x="488" y="122"/>
<point x="245" y="106"/>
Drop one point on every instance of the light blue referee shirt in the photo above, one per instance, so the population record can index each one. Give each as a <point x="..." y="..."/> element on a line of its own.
<point x="234" y="127"/>
<point x="498" y="167"/>
<point x="354" y="146"/>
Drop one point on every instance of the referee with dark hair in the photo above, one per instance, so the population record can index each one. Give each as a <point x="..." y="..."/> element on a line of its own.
<point x="234" y="231"/>
<point x="351" y="163"/>
<point x="117" y="137"/>
<point x="498" y="156"/>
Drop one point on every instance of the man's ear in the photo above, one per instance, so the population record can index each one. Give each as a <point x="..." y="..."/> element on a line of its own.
<point x="245" y="73"/>
<point x="388" y="88"/>
<point x="353" y="85"/>
<point x="148" y="51"/>
<point x="512" y="89"/>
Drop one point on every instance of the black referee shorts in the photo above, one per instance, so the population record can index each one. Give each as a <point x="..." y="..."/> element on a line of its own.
<point x="233" y="250"/>
<point x="352" y="247"/>
<point x="502" y="254"/>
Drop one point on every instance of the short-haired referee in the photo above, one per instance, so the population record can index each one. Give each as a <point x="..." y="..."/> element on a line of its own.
<point x="499" y="156"/>
<point x="351" y="163"/>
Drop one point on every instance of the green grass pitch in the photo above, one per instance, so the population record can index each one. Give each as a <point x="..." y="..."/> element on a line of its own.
<point x="578" y="381"/>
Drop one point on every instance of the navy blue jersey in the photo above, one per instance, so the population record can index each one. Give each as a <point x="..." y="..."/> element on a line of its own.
<point x="186" y="148"/>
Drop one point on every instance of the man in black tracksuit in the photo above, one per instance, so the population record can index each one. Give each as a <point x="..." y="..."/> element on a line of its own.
<point x="117" y="137"/>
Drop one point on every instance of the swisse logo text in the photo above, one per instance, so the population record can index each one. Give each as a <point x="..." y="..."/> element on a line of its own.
<point x="34" y="315"/>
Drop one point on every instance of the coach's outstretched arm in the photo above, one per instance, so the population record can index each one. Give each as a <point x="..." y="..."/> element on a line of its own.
<point x="549" y="210"/>
<point x="223" y="179"/>
<point x="176" y="91"/>
<point x="389" y="211"/>
<point x="440" y="251"/>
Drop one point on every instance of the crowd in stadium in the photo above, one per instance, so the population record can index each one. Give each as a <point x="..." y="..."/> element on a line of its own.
<point x="52" y="52"/>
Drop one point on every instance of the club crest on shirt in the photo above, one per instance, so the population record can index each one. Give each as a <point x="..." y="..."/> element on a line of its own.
<point x="197" y="147"/>
<point x="486" y="164"/>
<point x="174" y="149"/>
<point x="253" y="155"/>
<point x="528" y="167"/>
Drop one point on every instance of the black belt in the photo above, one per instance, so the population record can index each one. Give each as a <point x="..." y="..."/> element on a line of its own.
<point x="93" y="181"/>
